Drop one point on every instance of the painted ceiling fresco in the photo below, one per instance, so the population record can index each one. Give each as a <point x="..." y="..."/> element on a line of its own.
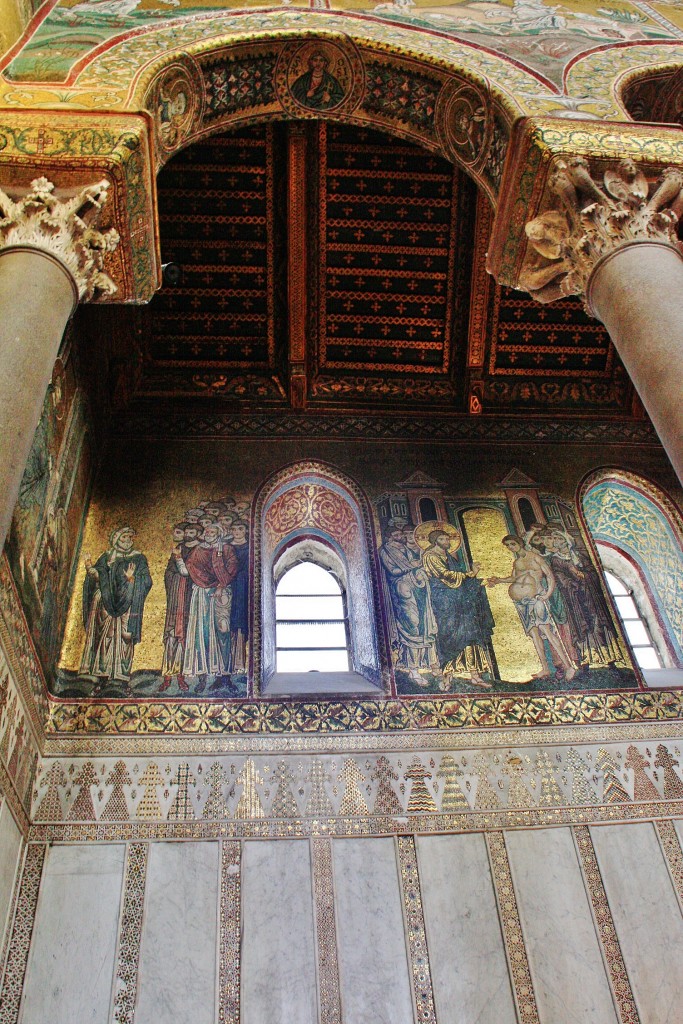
<point x="396" y="308"/>
<point x="542" y="36"/>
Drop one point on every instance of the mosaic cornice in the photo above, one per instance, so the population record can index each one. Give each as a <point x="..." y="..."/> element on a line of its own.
<point x="537" y="148"/>
<point x="76" y="149"/>
<point x="171" y="421"/>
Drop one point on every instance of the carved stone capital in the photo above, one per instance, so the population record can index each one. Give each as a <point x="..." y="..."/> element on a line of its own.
<point x="592" y="221"/>
<point x="65" y="229"/>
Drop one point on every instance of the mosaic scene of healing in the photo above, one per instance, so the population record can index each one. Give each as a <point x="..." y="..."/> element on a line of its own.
<point x="174" y="590"/>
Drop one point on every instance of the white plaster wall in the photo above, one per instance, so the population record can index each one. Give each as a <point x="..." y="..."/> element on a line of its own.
<point x="71" y="963"/>
<point x="11" y="849"/>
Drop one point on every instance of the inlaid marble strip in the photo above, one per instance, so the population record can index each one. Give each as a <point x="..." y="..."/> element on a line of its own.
<point x="420" y="971"/>
<point x="522" y="985"/>
<point x="673" y="854"/>
<point x="22" y="930"/>
<point x="130" y="933"/>
<point x="230" y="930"/>
<point x="8" y="930"/>
<point x="607" y="935"/>
<point x="326" y="932"/>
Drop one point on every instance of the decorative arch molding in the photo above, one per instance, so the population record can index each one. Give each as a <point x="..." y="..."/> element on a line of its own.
<point x="629" y="513"/>
<point x="312" y="503"/>
<point x="616" y="78"/>
<point x="451" y="112"/>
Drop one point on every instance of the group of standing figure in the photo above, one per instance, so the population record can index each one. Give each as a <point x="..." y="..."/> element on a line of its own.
<point x="443" y="619"/>
<point x="206" y="628"/>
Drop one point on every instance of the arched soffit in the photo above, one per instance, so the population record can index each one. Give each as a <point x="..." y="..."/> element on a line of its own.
<point x="451" y="113"/>
<point x="635" y="80"/>
<point x="636" y="516"/>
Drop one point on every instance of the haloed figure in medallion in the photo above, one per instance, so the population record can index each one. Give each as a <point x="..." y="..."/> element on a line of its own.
<point x="114" y="593"/>
<point x="461" y="608"/>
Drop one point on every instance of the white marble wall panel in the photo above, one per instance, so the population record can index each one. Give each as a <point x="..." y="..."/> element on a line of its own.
<point x="569" y="975"/>
<point x="278" y="952"/>
<point x="466" y="950"/>
<point x="71" y="963"/>
<point x="177" y="974"/>
<point x="373" y="964"/>
<point x="646" y="916"/>
<point x="10" y="853"/>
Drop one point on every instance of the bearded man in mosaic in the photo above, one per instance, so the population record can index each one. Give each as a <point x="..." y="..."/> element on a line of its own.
<point x="114" y="592"/>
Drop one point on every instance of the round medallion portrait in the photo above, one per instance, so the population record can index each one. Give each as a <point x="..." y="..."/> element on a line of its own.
<point x="464" y="122"/>
<point x="173" y="102"/>
<point x="318" y="76"/>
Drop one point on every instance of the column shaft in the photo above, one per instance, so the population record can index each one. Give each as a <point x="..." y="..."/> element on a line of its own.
<point x="37" y="296"/>
<point x="637" y="293"/>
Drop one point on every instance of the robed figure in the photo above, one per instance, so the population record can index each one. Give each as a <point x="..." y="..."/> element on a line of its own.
<point x="461" y="608"/>
<point x="114" y="593"/>
<point x="212" y="566"/>
<point x="411" y="604"/>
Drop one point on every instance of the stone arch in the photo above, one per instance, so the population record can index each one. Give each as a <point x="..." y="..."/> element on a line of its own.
<point x="636" y="518"/>
<point x="456" y="112"/>
<point x="314" y="503"/>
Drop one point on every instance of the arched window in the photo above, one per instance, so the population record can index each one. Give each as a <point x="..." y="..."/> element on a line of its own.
<point x="311" y="624"/>
<point x="310" y="513"/>
<point x="639" y="537"/>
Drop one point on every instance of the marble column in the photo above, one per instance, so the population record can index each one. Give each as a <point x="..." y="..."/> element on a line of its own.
<point x="613" y="239"/>
<point x="51" y="256"/>
<point x="637" y="292"/>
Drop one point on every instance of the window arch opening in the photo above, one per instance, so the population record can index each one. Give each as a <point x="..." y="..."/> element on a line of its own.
<point x="311" y="621"/>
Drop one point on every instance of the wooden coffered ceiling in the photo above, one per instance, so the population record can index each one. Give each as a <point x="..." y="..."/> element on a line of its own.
<point x="329" y="267"/>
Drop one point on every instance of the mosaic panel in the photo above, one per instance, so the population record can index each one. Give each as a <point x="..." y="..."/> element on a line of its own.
<point x="478" y="592"/>
<point x="18" y="749"/>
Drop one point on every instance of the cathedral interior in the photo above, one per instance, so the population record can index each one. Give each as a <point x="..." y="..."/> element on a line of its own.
<point x="341" y="598"/>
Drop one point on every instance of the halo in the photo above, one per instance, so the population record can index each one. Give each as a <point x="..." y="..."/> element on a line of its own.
<point x="423" y="531"/>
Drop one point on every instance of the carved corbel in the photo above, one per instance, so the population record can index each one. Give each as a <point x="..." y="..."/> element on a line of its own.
<point x="65" y="229"/>
<point x="592" y="221"/>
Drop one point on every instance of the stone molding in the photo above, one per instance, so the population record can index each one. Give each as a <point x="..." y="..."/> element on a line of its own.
<point x="65" y="229"/>
<point x="594" y="221"/>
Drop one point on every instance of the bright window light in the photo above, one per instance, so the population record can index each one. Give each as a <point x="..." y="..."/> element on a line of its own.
<point x="635" y="627"/>
<point x="311" y="628"/>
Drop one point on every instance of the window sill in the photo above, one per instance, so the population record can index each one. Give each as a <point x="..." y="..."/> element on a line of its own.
<point x="318" y="684"/>
<point x="661" y="678"/>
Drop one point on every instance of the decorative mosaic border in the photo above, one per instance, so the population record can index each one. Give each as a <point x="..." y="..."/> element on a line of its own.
<point x="520" y="975"/>
<point x="326" y="932"/>
<point x="10" y="918"/>
<point x="130" y="934"/>
<point x="457" y="712"/>
<point x="418" y="954"/>
<point x="229" y="964"/>
<point x="146" y="745"/>
<point x="280" y="787"/>
<point x="607" y="934"/>
<point x="347" y="827"/>
<point x="154" y="421"/>
<point x="673" y="854"/>
<point x="22" y="930"/>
